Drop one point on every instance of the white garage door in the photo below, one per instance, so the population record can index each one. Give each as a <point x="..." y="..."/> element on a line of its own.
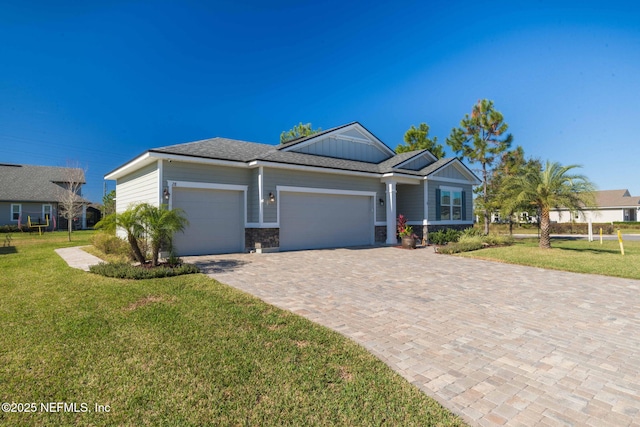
<point x="216" y="223"/>
<point x="313" y="220"/>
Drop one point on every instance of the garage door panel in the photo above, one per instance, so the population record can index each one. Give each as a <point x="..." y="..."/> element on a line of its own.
<point x="313" y="221"/>
<point x="216" y="221"/>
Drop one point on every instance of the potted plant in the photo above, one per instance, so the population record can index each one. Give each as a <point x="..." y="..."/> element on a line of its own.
<point x="406" y="233"/>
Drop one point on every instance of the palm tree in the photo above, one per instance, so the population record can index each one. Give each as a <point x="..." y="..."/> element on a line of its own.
<point x="161" y="223"/>
<point x="552" y="187"/>
<point x="131" y="222"/>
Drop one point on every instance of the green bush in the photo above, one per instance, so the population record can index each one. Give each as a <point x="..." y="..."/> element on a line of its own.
<point x="627" y="224"/>
<point x="442" y="237"/>
<point x="468" y="238"/>
<point x="457" y="247"/>
<point x="128" y="271"/>
<point x="579" y="228"/>
<point x="9" y="229"/>
<point x="111" y="244"/>
<point x="493" y="239"/>
<point x="471" y="232"/>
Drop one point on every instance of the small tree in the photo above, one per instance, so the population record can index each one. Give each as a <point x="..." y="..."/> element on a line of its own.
<point x="418" y="139"/>
<point x="552" y="187"/>
<point x="109" y="203"/>
<point x="161" y="223"/>
<point x="131" y="222"/>
<point x="70" y="199"/>
<point x="481" y="138"/>
<point x="298" y="131"/>
<point x="501" y="199"/>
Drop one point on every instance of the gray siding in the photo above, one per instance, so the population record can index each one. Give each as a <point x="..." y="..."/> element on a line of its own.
<point x="332" y="147"/>
<point x="450" y="172"/>
<point x="275" y="177"/>
<point x="253" y="197"/>
<point x="213" y="174"/>
<point x="417" y="164"/>
<point x="141" y="186"/>
<point x="467" y="188"/>
<point x="411" y="201"/>
<point x="5" y="213"/>
<point x="28" y="208"/>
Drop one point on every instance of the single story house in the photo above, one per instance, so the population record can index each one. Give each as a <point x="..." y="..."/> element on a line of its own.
<point x="35" y="192"/>
<point x="612" y="206"/>
<point x="337" y="188"/>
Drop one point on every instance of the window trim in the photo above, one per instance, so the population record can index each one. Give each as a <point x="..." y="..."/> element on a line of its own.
<point x="44" y="214"/>
<point x="450" y="206"/>
<point x="19" y="205"/>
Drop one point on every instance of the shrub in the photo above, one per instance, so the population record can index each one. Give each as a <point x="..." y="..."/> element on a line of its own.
<point x="467" y="238"/>
<point x="442" y="237"/>
<point x="626" y="224"/>
<point x="9" y="229"/>
<point x="128" y="271"/>
<point x="579" y="228"/>
<point x="472" y="241"/>
<point x="470" y="232"/>
<point x="493" y="239"/>
<point x="454" y="248"/>
<point x="111" y="244"/>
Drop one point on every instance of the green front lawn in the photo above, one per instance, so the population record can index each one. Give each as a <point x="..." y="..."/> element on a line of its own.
<point x="578" y="256"/>
<point x="178" y="351"/>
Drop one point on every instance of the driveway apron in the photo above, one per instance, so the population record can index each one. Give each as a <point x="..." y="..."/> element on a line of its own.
<point x="497" y="344"/>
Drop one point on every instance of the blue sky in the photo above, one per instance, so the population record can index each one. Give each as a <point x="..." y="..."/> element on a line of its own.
<point x="100" y="82"/>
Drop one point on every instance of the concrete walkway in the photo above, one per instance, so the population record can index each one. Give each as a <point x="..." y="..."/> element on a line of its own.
<point x="497" y="344"/>
<point x="78" y="258"/>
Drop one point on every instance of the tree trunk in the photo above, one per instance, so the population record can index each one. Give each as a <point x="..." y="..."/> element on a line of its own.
<point x="545" y="225"/>
<point x="69" y="225"/>
<point x="155" y="251"/>
<point x="137" y="253"/>
<point x="484" y="198"/>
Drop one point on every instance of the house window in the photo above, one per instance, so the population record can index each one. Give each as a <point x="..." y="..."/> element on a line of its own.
<point x="16" y="211"/>
<point x="450" y="204"/>
<point x="46" y="212"/>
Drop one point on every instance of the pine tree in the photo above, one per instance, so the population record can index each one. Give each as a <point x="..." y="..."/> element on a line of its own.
<point x="481" y="138"/>
<point x="418" y="139"/>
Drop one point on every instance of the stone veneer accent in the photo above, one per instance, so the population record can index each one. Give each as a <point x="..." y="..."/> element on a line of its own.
<point x="265" y="237"/>
<point x="380" y="233"/>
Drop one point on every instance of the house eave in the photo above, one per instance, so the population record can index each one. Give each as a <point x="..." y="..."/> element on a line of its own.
<point x="152" y="156"/>
<point x="280" y="165"/>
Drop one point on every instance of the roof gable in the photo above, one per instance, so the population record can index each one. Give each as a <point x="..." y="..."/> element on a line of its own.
<point x="449" y="169"/>
<point x="348" y="142"/>
<point x="419" y="161"/>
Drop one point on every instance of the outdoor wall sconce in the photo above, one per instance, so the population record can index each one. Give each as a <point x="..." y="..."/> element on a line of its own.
<point x="381" y="202"/>
<point x="166" y="194"/>
<point x="272" y="198"/>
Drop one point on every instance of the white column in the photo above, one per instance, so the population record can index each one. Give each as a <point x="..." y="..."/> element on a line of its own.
<point x="391" y="213"/>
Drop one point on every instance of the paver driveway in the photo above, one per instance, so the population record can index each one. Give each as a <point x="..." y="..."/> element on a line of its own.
<point x="495" y="343"/>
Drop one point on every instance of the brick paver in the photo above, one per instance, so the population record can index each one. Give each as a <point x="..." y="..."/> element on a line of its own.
<point x="497" y="344"/>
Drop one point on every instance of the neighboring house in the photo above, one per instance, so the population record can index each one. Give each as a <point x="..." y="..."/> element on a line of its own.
<point x="612" y="206"/>
<point x="340" y="187"/>
<point x="35" y="192"/>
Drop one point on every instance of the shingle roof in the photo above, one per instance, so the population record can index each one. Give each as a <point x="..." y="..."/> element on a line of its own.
<point x="616" y="198"/>
<point x="26" y="183"/>
<point x="219" y="148"/>
<point x="243" y="151"/>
